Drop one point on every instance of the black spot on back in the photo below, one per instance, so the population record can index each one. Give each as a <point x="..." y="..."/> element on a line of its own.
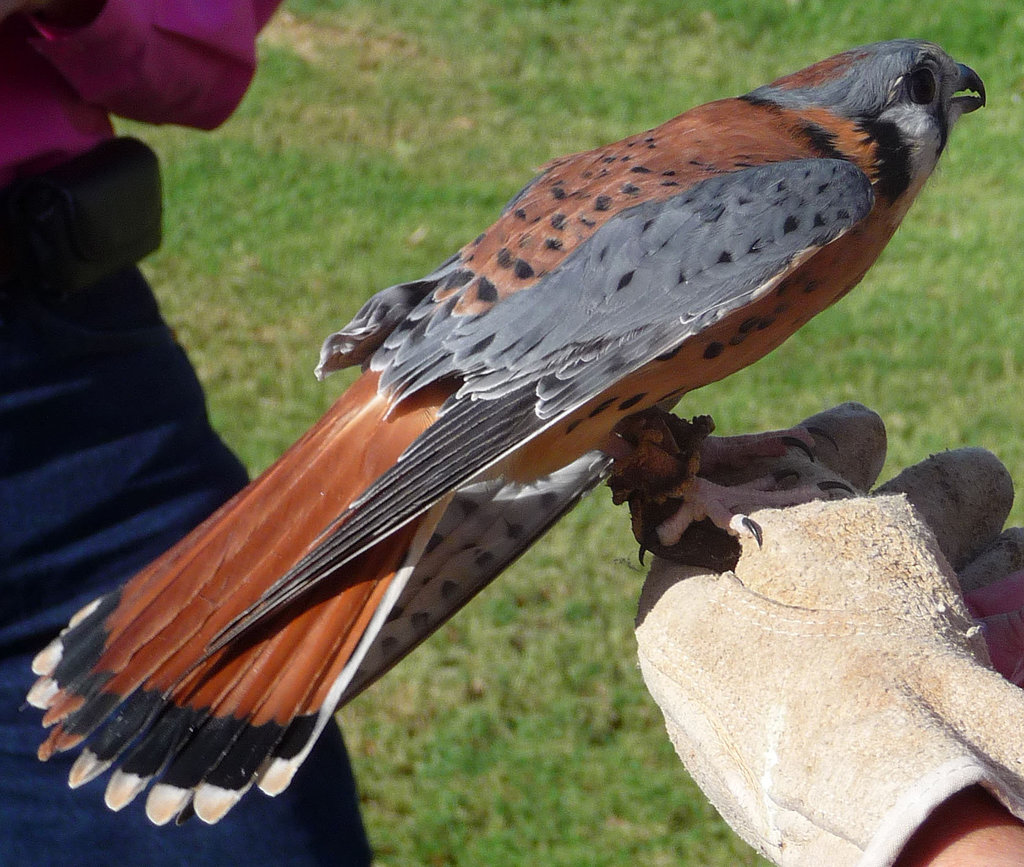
<point x="523" y="269"/>
<point x="602" y="203"/>
<point x="713" y="350"/>
<point x="486" y="291"/>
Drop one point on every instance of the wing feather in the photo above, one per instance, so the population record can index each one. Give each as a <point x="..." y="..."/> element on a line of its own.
<point x="649" y="279"/>
<point x="487" y="526"/>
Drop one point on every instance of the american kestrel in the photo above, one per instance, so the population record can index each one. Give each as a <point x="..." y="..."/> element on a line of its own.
<point x="617" y="280"/>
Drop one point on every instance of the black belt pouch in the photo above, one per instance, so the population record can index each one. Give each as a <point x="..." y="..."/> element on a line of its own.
<point x="86" y="219"/>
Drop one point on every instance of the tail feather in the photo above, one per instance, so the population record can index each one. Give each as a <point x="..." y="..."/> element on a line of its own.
<point x="145" y="672"/>
<point x="137" y="670"/>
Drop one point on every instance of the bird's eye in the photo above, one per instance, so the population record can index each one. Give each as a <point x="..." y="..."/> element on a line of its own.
<point x="922" y="85"/>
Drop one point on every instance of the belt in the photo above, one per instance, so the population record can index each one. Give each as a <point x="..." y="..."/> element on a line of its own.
<point x="67" y="228"/>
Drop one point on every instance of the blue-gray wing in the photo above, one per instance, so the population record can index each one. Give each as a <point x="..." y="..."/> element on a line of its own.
<point x="649" y="279"/>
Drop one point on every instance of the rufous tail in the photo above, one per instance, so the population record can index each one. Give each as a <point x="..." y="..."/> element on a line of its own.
<point x="135" y="669"/>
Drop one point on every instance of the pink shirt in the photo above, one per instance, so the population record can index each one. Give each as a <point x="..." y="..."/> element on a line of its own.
<point x="163" y="61"/>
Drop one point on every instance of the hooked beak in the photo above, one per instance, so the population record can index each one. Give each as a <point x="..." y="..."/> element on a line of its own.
<point x="969" y="81"/>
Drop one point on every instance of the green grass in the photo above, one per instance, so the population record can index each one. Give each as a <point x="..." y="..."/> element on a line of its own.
<point x="377" y="138"/>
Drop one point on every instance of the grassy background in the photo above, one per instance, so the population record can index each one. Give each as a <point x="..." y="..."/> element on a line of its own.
<point x="377" y="138"/>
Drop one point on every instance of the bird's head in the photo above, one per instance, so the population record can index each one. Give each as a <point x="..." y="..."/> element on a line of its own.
<point x="902" y="96"/>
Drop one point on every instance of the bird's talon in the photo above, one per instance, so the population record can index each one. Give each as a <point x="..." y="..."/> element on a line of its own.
<point x="754" y="529"/>
<point x="836" y="485"/>
<point x="794" y="443"/>
<point x="742" y="525"/>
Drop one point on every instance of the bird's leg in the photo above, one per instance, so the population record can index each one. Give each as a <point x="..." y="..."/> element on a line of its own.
<point x="685" y="487"/>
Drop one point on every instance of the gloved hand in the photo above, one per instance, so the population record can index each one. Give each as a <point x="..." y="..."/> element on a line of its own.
<point x="834" y="688"/>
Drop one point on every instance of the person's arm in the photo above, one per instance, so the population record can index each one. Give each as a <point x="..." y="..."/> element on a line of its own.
<point x="969" y="828"/>
<point x="152" y="60"/>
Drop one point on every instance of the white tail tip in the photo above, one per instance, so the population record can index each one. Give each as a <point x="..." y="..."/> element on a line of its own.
<point x="123" y="788"/>
<point x="275" y="778"/>
<point x="46" y="661"/>
<point x="83" y="612"/>
<point x="42" y="693"/>
<point x="212" y="803"/>
<point x="165" y="802"/>
<point x="86" y="767"/>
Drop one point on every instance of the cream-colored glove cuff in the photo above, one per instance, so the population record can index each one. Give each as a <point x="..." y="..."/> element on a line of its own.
<point x="830" y="692"/>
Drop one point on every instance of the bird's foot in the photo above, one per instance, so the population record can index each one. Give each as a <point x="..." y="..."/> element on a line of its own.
<point x="689" y="494"/>
<point x="726" y="506"/>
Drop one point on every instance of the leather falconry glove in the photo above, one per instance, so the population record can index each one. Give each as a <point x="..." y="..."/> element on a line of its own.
<point x="833" y="688"/>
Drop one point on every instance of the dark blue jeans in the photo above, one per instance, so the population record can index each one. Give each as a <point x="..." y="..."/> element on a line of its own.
<point x="106" y="460"/>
